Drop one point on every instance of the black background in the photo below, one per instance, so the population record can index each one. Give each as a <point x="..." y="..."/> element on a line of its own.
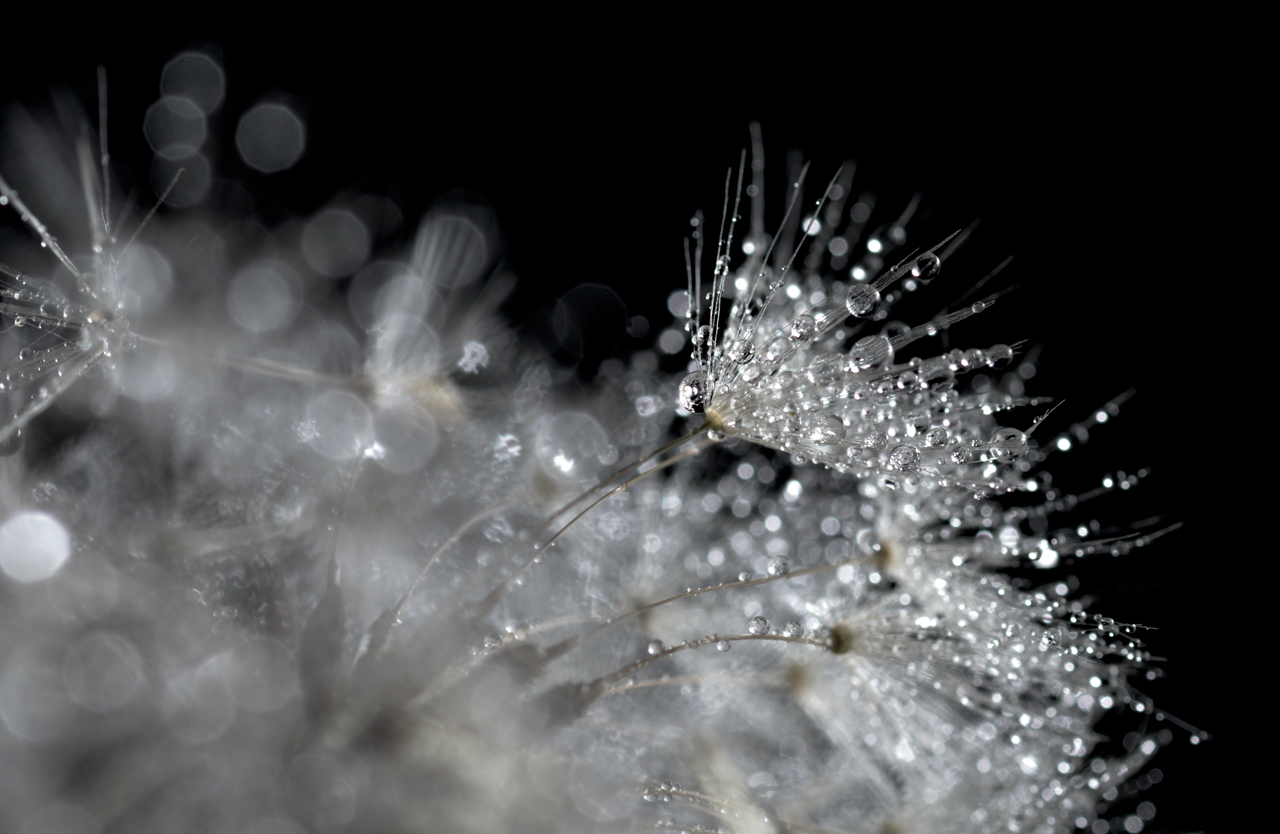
<point x="1091" y="163"/>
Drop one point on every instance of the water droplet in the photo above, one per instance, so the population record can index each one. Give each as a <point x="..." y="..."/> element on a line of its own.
<point x="927" y="267"/>
<point x="999" y="353"/>
<point x="722" y="646"/>
<point x="492" y="640"/>
<point x="875" y="440"/>
<point x="744" y="576"/>
<point x="741" y="351"/>
<point x="937" y="437"/>
<point x="1008" y="445"/>
<point x="716" y="435"/>
<point x="868" y="353"/>
<point x="779" y="566"/>
<point x="802" y="328"/>
<point x="960" y="456"/>
<point x="793" y="629"/>
<point x="862" y="300"/>
<point x="758" y="625"/>
<point x="695" y="392"/>
<point x="655" y="647"/>
<point x="904" y="457"/>
<point x="11" y="444"/>
<point x="827" y="429"/>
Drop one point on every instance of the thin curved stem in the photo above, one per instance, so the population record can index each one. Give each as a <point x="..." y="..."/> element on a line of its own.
<point x="452" y="540"/>
<point x="681" y="680"/>
<point x="451" y="676"/>
<point x="705" y="427"/>
<point x="346" y="504"/>
<point x="502" y="590"/>
<point x="570" y="643"/>
<point x="613" y="677"/>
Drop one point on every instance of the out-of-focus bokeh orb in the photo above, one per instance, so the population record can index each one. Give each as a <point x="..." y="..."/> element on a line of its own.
<point x="338" y="425"/>
<point x="33" y="546"/>
<point x="262" y="297"/>
<point x="174" y="126"/>
<point x="196" y="77"/>
<point x="270" y="138"/>
<point x="335" y="243"/>
<point x="145" y="279"/>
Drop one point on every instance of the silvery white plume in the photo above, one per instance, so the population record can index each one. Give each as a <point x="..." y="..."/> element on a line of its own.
<point x="295" y="566"/>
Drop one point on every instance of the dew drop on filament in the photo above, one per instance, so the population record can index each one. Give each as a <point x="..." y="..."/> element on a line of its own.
<point x="862" y="300"/>
<point x="695" y="392"/>
<point x="927" y="267"/>
<point x="741" y="351"/>
<point x="827" y="429"/>
<point x="905" y="458"/>
<point x="868" y="353"/>
<point x="802" y="328"/>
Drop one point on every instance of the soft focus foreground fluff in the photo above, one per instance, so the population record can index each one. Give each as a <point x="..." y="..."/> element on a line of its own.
<point x="289" y="568"/>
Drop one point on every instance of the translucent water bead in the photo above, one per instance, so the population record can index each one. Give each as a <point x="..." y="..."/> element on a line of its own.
<point x="741" y="351"/>
<point x="926" y="267"/>
<point x="936" y="437"/>
<point x="695" y="391"/>
<point x="904" y="458"/>
<point x="827" y="429"/>
<point x="862" y="300"/>
<point x="802" y="328"/>
<point x="869" y="353"/>
<point x="1008" y="445"/>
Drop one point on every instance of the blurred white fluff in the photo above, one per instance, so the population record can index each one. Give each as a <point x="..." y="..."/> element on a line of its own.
<point x="431" y="319"/>
<point x="218" y="614"/>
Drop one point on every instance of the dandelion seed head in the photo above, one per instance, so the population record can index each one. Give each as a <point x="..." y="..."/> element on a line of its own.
<point x="314" y="563"/>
